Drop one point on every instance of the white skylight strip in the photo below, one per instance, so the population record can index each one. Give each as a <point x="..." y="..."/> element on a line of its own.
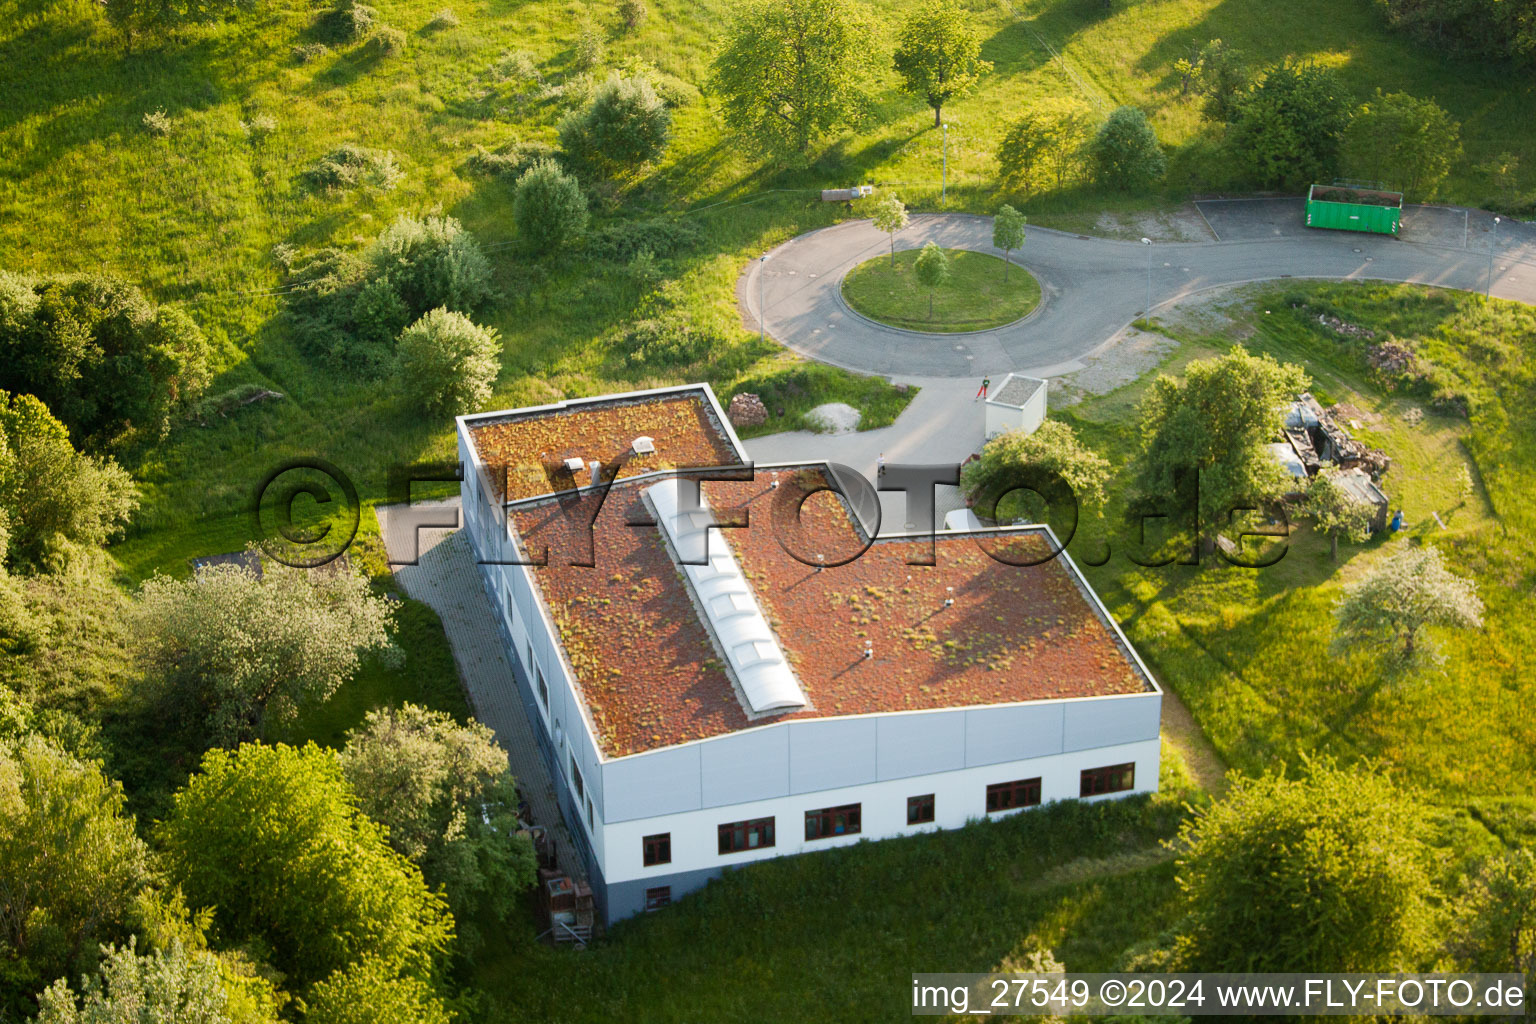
<point x="733" y="614"/>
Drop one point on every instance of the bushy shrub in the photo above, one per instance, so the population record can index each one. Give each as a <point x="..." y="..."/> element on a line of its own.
<point x="549" y="209"/>
<point x="306" y="53"/>
<point x="589" y="48"/>
<point x="623" y="128"/>
<point x="430" y="263"/>
<point x="1125" y="152"/>
<point x="621" y="242"/>
<point x="446" y="364"/>
<point x="259" y="127"/>
<point x="516" y="67"/>
<point x="386" y="40"/>
<point x="631" y="13"/>
<point x="352" y="166"/>
<point x="443" y="18"/>
<point x="1287" y="131"/>
<point x="347" y="22"/>
<point x="510" y="161"/>
<point x="158" y="122"/>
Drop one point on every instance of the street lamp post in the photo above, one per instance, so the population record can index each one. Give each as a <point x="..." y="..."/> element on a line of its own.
<point x="762" y="313"/>
<point x="1147" y="311"/>
<point x="1491" y="241"/>
<point x="944" y="177"/>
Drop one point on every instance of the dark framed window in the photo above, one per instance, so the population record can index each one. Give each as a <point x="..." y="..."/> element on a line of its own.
<point x="658" y="897"/>
<point x="657" y="849"/>
<point x="538" y="677"/>
<point x="832" y="821"/>
<point x="591" y="819"/>
<point x="746" y="835"/>
<point x="581" y="789"/>
<point x="920" y="809"/>
<point x="1005" y="796"/>
<point x="1116" y="778"/>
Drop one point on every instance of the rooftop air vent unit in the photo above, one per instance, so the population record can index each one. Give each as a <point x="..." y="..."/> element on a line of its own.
<point x="644" y="445"/>
<point x="575" y="465"/>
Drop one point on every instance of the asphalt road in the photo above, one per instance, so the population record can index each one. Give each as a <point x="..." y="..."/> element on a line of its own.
<point x="1093" y="287"/>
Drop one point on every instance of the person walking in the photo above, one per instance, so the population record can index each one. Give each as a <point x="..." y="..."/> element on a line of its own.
<point x="981" y="392"/>
<point x="880" y="465"/>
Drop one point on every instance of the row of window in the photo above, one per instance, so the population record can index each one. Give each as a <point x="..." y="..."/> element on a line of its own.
<point x="758" y="833"/>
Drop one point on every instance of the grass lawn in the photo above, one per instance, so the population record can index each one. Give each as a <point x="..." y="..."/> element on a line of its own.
<point x="982" y="292"/>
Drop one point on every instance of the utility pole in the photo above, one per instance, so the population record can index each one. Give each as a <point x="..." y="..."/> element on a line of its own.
<point x="1492" y="239"/>
<point x="762" y="313"/>
<point x="1147" y="310"/>
<point x="944" y="180"/>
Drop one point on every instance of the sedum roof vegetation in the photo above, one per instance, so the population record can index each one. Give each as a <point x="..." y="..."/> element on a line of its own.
<point x="528" y="450"/>
<point x="651" y="676"/>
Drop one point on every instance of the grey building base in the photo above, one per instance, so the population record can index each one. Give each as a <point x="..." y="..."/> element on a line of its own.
<point x="628" y="898"/>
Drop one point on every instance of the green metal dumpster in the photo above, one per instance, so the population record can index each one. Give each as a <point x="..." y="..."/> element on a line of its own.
<point x="1354" y="209"/>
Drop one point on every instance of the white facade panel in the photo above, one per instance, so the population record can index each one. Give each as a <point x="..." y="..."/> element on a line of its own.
<point x="647" y="785"/>
<point x="959" y="796"/>
<point x="749" y="765"/>
<point x="920" y="744"/>
<point x="993" y="735"/>
<point x="827" y="754"/>
<point x="1099" y="723"/>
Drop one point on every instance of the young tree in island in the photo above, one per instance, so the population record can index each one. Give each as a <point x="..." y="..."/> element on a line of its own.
<point x="1402" y="593"/>
<point x="1007" y="460"/>
<point x="1125" y="152"/>
<point x="793" y="70"/>
<point x="1217" y="421"/>
<point x="1324" y="871"/>
<point x="1403" y="140"/>
<point x="238" y="650"/>
<point x="939" y="56"/>
<point x="548" y="207"/>
<point x="446" y="363"/>
<point x="1335" y="511"/>
<point x="1008" y="233"/>
<point x="932" y="267"/>
<point x="889" y="214"/>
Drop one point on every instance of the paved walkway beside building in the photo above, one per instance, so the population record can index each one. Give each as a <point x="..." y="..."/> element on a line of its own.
<point x="446" y="579"/>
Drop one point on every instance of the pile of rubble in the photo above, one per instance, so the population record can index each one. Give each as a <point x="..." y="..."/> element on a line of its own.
<point x="1319" y="438"/>
<point x="1344" y="327"/>
<point x="1393" y="358"/>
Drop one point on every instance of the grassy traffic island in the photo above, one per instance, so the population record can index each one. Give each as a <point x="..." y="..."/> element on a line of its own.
<point x="977" y="295"/>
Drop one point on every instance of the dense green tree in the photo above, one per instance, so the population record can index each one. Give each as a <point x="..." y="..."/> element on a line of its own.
<point x="429" y="263"/>
<point x="624" y="127"/>
<point x="272" y="837"/>
<point x="1125" y="152"/>
<point x="889" y="214"/>
<point x="939" y="55"/>
<point x="446" y="794"/>
<point x="1288" y="129"/>
<point x="174" y="986"/>
<point x="112" y="366"/>
<point x="1336" y="512"/>
<point x="51" y="496"/>
<point x="548" y="207"/>
<point x="1402" y="592"/>
<point x="1477" y="29"/>
<point x="1402" y="140"/>
<point x="371" y="991"/>
<point x="1008" y="233"/>
<point x="447" y="364"/>
<point x="793" y="70"/>
<point x="1221" y="74"/>
<point x="1326" y="870"/>
<point x="1051" y="137"/>
<point x="1495" y="917"/>
<point x="1008" y="458"/>
<point x="71" y="867"/>
<point x="1218" y="421"/>
<point x="239" y="650"/>
<point x="932" y="269"/>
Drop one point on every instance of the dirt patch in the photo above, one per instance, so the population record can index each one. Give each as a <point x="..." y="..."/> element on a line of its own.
<point x="1183" y="223"/>
<point x="1133" y="355"/>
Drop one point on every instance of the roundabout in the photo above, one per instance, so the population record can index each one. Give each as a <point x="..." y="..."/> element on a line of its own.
<point x="982" y="292"/>
<point x="1090" y="288"/>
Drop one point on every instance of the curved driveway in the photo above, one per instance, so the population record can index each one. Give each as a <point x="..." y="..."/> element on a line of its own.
<point x="1091" y="287"/>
